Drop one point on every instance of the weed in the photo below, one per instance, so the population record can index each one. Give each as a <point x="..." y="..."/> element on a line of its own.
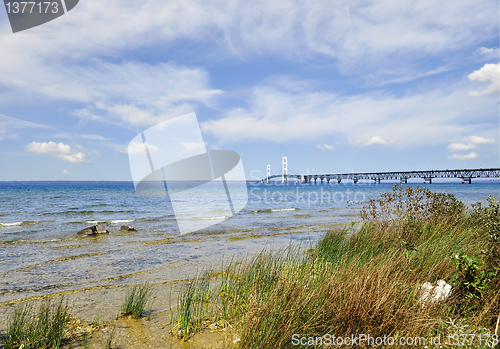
<point x="193" y="300"/>
<point x="32" y="328"/>
<point x="110" y="338"/>
<point x="136" y="299"/>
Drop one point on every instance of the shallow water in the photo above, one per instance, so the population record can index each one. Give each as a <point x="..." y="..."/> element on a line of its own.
<point x="40" y="252"/>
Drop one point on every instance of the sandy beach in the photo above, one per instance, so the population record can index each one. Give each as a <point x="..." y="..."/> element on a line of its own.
<point x="96" y="314"/>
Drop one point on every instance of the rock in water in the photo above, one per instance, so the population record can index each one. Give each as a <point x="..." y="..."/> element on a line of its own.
<point x="94" y="230"/>
<point x="127" y="228"/>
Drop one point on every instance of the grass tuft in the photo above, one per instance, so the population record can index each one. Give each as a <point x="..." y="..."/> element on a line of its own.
<point x="136" y="299"/>
<point x="109" y="339"/>
<point x="40" y="328"/>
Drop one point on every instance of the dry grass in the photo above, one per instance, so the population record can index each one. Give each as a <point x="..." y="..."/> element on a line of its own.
<point x="367" y="283"/>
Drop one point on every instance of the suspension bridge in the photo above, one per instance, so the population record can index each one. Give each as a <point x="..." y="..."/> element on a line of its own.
<point x="466" y="175"/>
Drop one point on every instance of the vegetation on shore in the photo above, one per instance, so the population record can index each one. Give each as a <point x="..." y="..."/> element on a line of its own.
<point x="354" y="281"/>
<point x="362" y="282"/>
<point x="51" y="325"/>
<point x="135" y="301"/>
<point x="40" y="328"/>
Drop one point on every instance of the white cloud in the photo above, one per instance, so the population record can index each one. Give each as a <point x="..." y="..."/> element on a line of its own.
<point x="92" y="137"/>
<point x="128" y="93"/>
<point x="189" y="146"/>
<point x="58" y="150"/>
<point x="279" y="115"/>
<point x="488" y="73"/>
<point x="473" y="142"/>
<point x="325" y="146"/>
<point x="65" y="172"/>
<point x="138" y="148"/>
<point x="469" y="156"/>
<point x="70" y="63"/>
<point x="488" y="52"/>
<point x="480" y="140"/>
<point x="376" y="140"/>
<point x="9" y="124"/>
<point x="461" y="146"/>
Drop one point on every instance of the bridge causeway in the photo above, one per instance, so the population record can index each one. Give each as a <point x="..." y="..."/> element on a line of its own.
<point x="466" y="175"/>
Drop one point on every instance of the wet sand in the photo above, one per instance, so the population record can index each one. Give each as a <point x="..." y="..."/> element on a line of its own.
<point x="96" y="316"/>
<point x="101" y="304"/>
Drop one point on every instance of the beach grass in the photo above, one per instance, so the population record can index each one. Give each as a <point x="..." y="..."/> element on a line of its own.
<point x="365" y="281"/>
<point x="109" y="339"/>
<point x="135" y="301"/>
<point x="39" y="328"/>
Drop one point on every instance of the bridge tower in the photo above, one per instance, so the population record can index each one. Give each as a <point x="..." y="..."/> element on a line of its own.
<point x="284" y="172"/>
<point x="268" y="173"/>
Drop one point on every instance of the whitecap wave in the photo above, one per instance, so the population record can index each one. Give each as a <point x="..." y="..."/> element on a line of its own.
<point x="13" y="224"/>
<point x="120" y="221"/>
<point x="95" y="222"/>
<point x="284" y="209"/>
<point x="211" y="218"/>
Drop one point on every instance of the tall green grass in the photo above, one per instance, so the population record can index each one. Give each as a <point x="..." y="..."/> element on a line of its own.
<point x="40" y="328"/>
<point x="363" y="282"/>
<point x="135" y="301"/>
<point x="193" y="307"/>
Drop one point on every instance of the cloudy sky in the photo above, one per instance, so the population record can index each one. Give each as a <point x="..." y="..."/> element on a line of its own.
<point x="335" y="86"/>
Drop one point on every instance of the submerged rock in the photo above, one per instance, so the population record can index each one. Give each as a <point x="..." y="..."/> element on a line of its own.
<point x="94" y="230"/>
<point x="433" y="294"/>
<point x="127" y="228"/>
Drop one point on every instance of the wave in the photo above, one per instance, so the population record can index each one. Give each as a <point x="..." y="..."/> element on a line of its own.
<point x="96" y="222"/>
<point x="263" y="211"/>
<point x="210" y="218"/>
<point x="82" y="212"/>
<point x="119" y="221"/>
<point x="284" y="209"/>
<point x="73" y="211"/>
<point x="270" y="210"/>
<point x="29" y="241"/>
<point x="15" y="224"/>
<point x="116" y="221"/>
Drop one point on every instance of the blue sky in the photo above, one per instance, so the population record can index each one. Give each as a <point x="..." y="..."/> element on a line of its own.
<point x="335" y="86"/>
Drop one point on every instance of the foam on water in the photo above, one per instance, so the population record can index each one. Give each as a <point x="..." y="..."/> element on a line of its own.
<point x="13" y="224"/>
<point x="120" y="221"/>
<point x="16" y="224"/>
<point x="211" y="218"/>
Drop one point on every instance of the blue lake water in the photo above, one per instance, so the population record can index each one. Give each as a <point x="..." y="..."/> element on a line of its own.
<point x="40" y="252"/>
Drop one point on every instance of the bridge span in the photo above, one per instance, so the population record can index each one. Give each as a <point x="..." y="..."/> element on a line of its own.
<point x="466" y="175"/>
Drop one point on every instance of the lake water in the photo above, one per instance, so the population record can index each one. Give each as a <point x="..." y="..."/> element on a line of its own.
<point x="40" y="252"/>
